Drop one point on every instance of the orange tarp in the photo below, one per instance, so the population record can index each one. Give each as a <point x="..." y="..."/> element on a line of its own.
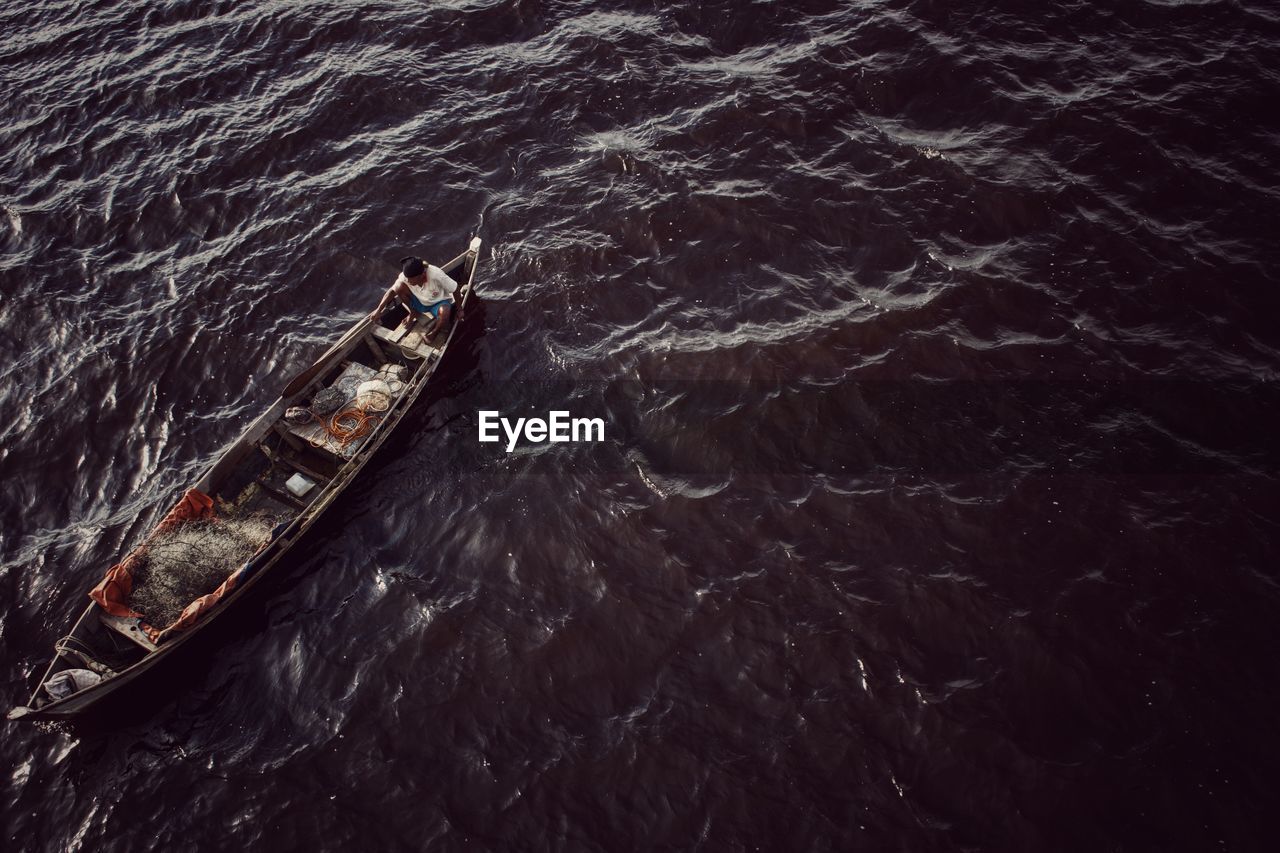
<point x="112" y="594"/>
<point x="193" y="611"/>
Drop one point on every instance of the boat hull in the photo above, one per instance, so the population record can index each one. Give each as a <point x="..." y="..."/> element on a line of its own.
<point x="120" y="683"/>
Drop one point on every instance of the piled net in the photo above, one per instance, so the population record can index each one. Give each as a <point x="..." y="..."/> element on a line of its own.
<point x="181" y="564"/>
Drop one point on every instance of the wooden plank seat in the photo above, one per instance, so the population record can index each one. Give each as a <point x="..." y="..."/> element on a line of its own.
<point x="280" y="495"/>
<point x="410" y="342"/>
<point x="127" y="626"/>
<point x="288" y="460"/>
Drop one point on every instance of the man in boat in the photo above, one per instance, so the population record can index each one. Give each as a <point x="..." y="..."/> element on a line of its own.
<point x="423" y="289"/>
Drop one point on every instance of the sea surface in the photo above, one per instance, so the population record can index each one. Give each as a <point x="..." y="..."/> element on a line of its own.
<point x="938" y="350"/>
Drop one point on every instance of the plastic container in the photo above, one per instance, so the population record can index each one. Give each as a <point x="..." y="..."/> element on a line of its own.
<point x="299" y="485"/>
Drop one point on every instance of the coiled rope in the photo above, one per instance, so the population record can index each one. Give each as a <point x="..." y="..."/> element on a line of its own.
<point x="351" y="424"/>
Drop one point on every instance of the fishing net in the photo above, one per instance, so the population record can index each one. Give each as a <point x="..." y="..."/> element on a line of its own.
<point x="184" y="562"/>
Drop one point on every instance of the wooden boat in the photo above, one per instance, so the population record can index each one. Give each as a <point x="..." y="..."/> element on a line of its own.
<point x="106" y="652"/>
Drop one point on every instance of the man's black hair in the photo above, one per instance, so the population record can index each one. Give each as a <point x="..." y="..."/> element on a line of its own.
<point x="412" y="266"/>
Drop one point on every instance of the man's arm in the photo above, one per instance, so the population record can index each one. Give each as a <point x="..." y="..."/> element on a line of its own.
<point x="386" y="298"/>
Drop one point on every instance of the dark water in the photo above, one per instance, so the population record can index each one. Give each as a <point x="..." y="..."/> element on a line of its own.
<point x="938" y="347"/>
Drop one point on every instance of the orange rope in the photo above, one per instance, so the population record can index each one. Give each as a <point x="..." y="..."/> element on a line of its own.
<point x="361" y="422"/>
<point x="346" y="426"/>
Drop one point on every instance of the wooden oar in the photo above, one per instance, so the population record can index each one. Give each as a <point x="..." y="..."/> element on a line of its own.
<point x="300" y="381"/>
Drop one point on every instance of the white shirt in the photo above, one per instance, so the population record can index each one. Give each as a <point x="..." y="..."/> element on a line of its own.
<point x="437" y="286"/>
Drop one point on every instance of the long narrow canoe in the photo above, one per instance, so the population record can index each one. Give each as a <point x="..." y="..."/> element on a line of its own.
<point x="111" y="646"/>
